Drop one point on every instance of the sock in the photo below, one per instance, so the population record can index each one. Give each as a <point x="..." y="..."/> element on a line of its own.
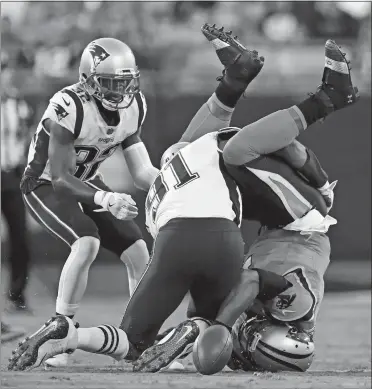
<point x="105" y="339"/>
<point x="74" y="276"/>
<point x="212" y="116"/>
<point x="135" y="258"/>
<point x="229" y="93"/>
<point x="312" y="110"/>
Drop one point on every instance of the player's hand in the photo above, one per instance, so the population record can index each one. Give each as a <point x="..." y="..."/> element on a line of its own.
<point x="327" y="192"/>
<point x="121" y="205"/>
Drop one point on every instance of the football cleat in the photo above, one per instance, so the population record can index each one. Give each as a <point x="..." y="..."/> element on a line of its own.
<point x="162" y="335"/>
<point x="57" y="336"/>
<point x="240" y="63"/>
<point x="337" y="90"/>
<point x="161" y="355"/>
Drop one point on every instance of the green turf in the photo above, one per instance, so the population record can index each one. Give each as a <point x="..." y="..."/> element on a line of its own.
<point x="343" y="348"/>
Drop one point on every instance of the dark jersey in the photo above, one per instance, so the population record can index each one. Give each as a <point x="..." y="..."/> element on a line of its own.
<point x="273" y="193"/>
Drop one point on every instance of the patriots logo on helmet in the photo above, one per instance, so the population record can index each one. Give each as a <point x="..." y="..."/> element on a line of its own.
<point x="284" y="301"/>
<point x="98" y="53"/>
<point x="60" y="111"/>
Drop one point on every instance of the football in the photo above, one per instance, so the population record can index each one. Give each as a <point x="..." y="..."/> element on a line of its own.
<point x="212" y="350"/>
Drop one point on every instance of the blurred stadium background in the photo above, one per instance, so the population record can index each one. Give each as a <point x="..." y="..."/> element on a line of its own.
<point x="41" y="43"/>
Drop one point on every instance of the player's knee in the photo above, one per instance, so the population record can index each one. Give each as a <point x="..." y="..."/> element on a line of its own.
<point x="86" y="249"/>
<point x="136" y="255"/>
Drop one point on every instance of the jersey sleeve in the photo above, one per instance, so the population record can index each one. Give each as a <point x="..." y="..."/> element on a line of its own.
<point x="65" y="108"/>
<point x="142" y="109"/>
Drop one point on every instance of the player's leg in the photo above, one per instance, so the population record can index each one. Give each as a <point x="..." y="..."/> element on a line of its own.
<point x="19" y="257"/>
<point x="123" y="237"/>
<point x="240" y="68"/>
<point x="161" y="289"/>
<point x="63" y="219"/>
<point x="217" y="254"/>
<point x="280" y="128"/>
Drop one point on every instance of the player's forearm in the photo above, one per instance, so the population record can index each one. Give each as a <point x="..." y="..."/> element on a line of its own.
<point x="68" y="185"/>
<point x="144" y="179"/>
<point x="313" y="171"/>
<point x="240" y="298"/>
<point x="140" y="167"/>
<point x="305" y="162"/>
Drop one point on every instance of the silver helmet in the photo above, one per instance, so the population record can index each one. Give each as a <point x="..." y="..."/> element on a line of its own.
<point x="108" y="71"/>
<point x="274" y="347"/>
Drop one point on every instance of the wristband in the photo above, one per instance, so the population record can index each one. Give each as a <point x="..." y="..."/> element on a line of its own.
<point x="98" y="197"/>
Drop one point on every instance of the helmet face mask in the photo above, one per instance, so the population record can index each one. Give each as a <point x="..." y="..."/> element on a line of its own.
<point x="109" y="73"/>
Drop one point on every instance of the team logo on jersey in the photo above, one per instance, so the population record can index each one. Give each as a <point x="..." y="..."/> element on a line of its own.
<point x="284" y="301"/>
<point x="60" y="111"/>
<point x="110" y="131"/>
<point x="98" y="53"/>
<point x="106" y="140"/>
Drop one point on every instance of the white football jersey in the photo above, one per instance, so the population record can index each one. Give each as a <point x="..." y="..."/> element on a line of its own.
<point x="193" y="184"/>
<point x="95" y="140"/>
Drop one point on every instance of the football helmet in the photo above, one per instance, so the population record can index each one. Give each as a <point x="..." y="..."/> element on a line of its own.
<point x="171" y="151"/>
<point x="261" y="345"/>
<point x="108" y="71"/>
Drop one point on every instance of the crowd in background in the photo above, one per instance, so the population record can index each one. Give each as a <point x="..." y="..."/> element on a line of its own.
<point x="43" y="41"/>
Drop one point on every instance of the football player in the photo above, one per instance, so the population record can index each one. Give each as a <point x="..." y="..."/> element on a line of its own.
<point x="282" y="185"/>
<point x="83" y="125"/>
<point x="193" y="212"/>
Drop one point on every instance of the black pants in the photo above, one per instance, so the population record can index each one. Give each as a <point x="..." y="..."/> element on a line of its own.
<point x="18" y="254"/>
<point x="203" y="256"/>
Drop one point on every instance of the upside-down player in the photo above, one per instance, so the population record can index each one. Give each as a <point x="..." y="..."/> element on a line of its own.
<point x="82" y="126"/>
<point x="288" y="193"/>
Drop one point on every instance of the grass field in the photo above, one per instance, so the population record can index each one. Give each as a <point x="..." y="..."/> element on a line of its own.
<point x="343" y="351"/>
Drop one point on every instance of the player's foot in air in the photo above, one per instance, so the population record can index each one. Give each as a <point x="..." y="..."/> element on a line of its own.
<point x="161" y="355"/>
<point x="9" y="333"/>
<point x="337" y="90"/>
<point x="57" y="336"/>
<point x="240" y="63"/>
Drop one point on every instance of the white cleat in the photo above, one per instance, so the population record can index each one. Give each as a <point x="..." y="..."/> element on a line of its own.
<point x="57" y="336"/>
<point x="60" y="360"/>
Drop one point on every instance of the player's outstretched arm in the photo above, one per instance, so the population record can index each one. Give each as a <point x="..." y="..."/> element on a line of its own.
<point x="253" y="284"/>
<point x="138" y="161"/>
<point x="62" y="157"/>
<point x="304" y="160"/>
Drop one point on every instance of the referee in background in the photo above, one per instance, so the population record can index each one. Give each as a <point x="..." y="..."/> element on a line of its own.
<point x="14" y="140"/>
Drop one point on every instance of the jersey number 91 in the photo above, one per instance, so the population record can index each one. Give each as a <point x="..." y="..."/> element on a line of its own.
<point x="159" y="188"/>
